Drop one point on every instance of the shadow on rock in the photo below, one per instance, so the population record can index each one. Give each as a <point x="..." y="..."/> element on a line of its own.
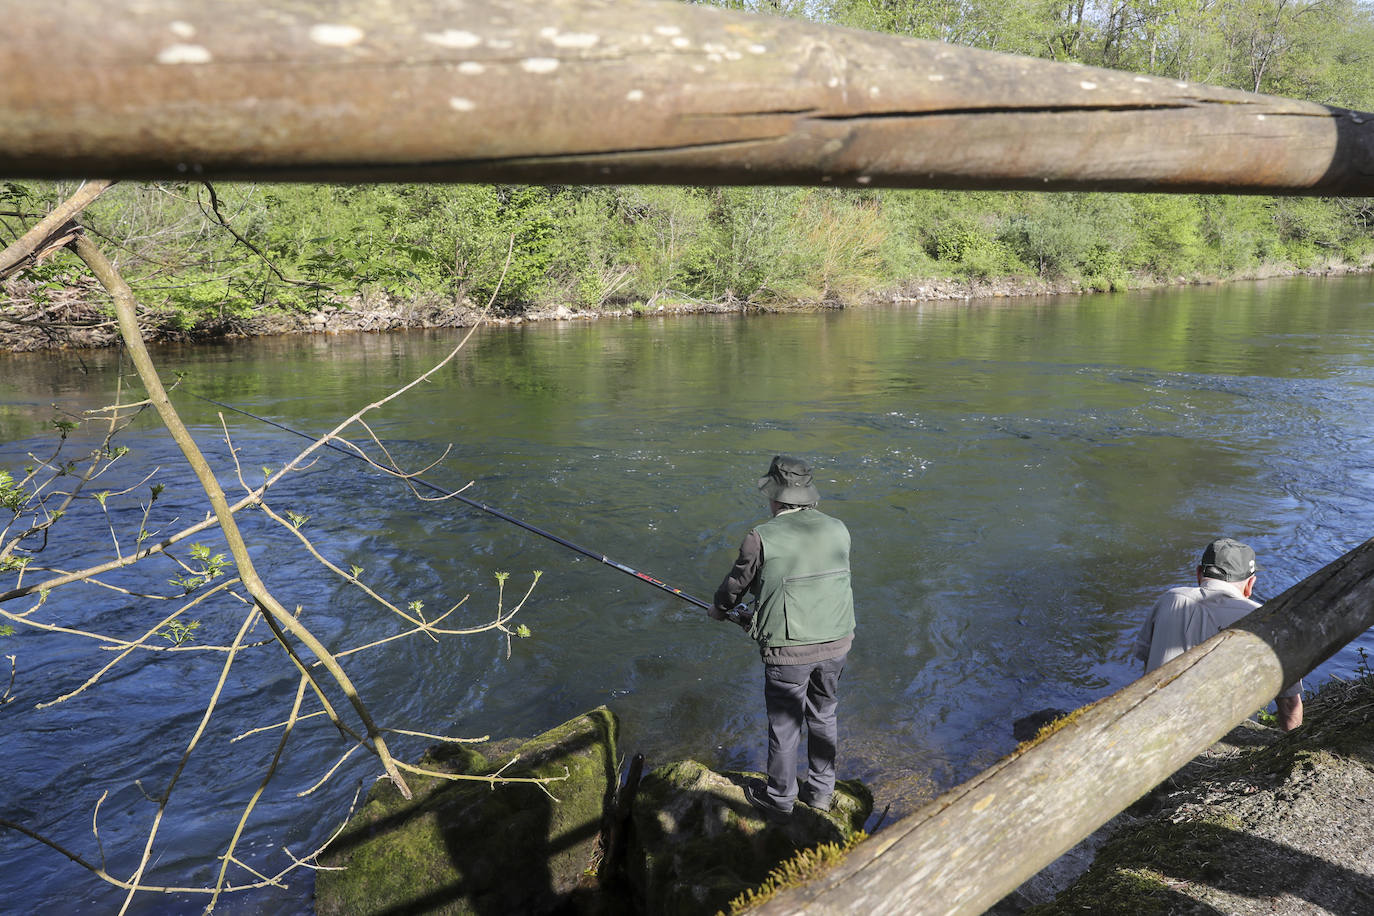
<point x="698" y="843"/>
<point x="467" y="847"/>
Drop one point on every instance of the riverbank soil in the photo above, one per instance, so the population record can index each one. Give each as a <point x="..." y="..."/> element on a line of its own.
<point x="36" y="318"/>
<point x="75" y="318"/>
<point x="1263" y="823"/>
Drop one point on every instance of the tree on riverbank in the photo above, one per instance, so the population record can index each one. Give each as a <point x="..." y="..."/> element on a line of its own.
<point x="646" y="246"/>
<point x="211" y="592"/>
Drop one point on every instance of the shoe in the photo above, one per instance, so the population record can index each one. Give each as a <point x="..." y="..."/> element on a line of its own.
<point x="758" y="797"/>
<point x="811" y="800"/>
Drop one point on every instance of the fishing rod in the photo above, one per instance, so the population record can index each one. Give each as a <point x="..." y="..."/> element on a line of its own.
<point x="737" y="615"/>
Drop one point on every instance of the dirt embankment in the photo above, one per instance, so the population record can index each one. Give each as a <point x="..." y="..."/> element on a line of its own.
<point x="33" y="319"/>
<point x="1262" y="823"/>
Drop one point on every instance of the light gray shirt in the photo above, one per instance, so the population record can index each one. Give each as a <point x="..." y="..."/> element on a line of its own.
<point x="1188" y="616"/>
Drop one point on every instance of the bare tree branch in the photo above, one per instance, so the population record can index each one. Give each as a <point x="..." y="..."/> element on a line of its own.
<point x="238" y="237"/>
<point x="50" y="233"/>
<point x="126" y="310"/>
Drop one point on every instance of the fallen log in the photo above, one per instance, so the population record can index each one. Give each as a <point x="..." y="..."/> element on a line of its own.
<point x="591" y="91"/>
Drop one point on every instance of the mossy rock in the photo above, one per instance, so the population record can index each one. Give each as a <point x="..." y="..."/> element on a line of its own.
<point x="698" y="843"/>
<point x="469" y="847"/>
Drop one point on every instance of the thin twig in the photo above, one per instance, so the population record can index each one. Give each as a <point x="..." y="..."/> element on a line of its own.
<point x="95" y="826"/>
<point x="7" y="698"/>
<point x="276" y="725"/>
<point x="444" y="738"/>
<point x="219" y="217"/>
<point x="332" y="770"/>
<point x="262" y="787"/>
<point x="166" y="796"/>
<point x="138" y="643"/>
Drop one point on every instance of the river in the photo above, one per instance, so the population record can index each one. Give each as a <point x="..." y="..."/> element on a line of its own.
<point x="1021" y="479"/>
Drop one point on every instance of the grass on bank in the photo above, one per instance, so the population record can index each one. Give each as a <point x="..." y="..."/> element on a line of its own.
<point x="644" y="247"/>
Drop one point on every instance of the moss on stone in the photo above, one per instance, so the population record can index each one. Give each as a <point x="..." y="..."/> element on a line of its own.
<point x="698" y="843"/>
<point x="801" y="868"/>
<point x="466" y="847"/>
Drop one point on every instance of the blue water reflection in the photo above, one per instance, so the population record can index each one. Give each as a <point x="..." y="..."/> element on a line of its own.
<point x="1021" y="480"/>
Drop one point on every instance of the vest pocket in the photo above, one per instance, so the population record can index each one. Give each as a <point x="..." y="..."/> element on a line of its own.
<point x="818" y="607"/>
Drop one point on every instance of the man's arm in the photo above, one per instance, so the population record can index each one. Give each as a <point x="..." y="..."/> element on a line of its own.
<point x="1289" y="704"/>
<point x="1290" y="712"/>
<point x="734" y="586"/>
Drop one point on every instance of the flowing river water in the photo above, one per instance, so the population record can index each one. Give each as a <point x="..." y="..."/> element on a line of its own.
<point x="1021" y="479"/>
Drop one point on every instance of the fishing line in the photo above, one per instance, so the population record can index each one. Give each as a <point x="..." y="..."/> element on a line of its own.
<point x="449" y="494"/>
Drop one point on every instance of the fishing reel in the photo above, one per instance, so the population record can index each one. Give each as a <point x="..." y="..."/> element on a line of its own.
<point x="741" y="614"/>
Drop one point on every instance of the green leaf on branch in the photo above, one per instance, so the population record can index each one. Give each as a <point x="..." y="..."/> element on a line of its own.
<point x="12" y="495"/>
<point x="178" y="632"/>
<point x="211" y="567"/>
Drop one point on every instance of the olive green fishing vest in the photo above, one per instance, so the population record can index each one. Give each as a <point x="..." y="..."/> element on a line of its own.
<point x="803" y="587"/>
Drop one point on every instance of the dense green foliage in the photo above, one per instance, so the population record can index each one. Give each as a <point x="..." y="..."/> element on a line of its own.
<point x="586" y="247"/>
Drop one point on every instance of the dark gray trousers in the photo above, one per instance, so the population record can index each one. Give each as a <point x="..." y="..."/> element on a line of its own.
<point x="793" y="695"/>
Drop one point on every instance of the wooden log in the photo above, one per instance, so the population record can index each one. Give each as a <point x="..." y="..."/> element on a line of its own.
<point x="611" y="91"/>
<point x="973" y="845"/>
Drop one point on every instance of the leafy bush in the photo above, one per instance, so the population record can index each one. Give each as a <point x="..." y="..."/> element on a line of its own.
<point x="1309" y="229"/>
<point x="670" y="239"/>
<point x="1051" y="237"/>
<point x="1104" y="271"/>
<point x="755" y="250"/>
<point x="1235" y="229"/>
<point x="973" y="250"/>
<point x="1168" y="239"/>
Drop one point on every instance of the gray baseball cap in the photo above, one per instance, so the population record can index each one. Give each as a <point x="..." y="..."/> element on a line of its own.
<point x="789" y="481"/>
<point x="1228" y="560"/>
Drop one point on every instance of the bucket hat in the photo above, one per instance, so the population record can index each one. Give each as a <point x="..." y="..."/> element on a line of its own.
<point x="789" y="481"/>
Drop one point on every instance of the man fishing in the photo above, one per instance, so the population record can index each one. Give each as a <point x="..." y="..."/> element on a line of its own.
<point x="796" y="567"/>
